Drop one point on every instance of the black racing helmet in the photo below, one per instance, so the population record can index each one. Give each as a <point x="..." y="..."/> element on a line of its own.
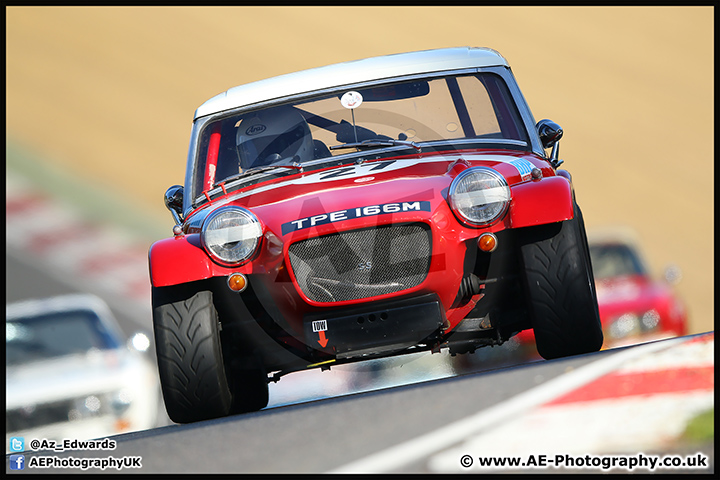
<point x="275" y="135"/>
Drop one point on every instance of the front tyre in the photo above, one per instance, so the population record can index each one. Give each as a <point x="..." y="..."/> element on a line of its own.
<point x="560" y="289"/>
<point x="190" y="361"/>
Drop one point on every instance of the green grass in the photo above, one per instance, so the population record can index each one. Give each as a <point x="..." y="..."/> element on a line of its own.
<point x="701" y="429"/>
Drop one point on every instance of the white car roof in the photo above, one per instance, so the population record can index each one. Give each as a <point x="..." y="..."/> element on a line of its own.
<point x="376" y="68"/>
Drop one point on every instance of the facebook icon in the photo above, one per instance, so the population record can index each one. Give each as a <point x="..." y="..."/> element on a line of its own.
<point x="17" y="462"/>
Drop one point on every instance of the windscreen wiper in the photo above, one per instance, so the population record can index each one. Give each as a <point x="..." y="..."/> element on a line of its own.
<point x="376" y="143"/>
<point x="264" y="168"/>
<point x="247" y="173"/>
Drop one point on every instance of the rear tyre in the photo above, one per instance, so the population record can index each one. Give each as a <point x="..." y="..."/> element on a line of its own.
<point x="560" y="289"/>
<point x="190" y="360"/>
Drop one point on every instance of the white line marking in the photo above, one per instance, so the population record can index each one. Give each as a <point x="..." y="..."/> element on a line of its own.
<point x="422" y="447"/>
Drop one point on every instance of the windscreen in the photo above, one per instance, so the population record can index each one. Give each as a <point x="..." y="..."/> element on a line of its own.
<point x="55" y="335"/>
<point x="443" y="109"/>
<point x="614" y="260"/>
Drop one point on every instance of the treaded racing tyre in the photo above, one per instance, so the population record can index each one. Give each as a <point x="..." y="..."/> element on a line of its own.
<point x="560" y="289"/>
<point x="190" y="361"/>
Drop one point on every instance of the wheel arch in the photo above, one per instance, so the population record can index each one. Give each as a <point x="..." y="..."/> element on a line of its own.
<point x="540" y="202"/>
<point x="182" y="259"/>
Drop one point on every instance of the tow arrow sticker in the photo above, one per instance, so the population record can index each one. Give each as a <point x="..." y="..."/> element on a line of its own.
<point x="320" y="326"/>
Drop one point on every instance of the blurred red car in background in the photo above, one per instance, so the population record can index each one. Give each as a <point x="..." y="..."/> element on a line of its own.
<point x="634" y="307"/>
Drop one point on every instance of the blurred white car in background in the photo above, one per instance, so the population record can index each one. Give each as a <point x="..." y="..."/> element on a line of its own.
<point x="70" y="373"/>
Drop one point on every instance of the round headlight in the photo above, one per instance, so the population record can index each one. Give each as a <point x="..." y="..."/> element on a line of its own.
<point x="479" y="196"/>
<point x="231" y="235"/>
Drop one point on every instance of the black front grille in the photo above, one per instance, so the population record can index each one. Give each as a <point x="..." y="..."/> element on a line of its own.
<point x="362" y="263"/>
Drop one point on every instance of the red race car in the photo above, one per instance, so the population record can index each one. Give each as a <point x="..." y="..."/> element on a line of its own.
<point x="633" y="306"/>
<point x="362" y="210"/>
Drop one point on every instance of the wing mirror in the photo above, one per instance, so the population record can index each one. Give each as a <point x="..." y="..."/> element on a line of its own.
<point x="174" y="202"/>
<point x="550" y="133"/>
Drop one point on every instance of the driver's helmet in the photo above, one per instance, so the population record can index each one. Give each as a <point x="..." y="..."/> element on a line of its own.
<point x="275" y="135"/>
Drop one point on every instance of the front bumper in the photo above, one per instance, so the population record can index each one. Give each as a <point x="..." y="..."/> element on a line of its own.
<point x="376" y="329"/>
<point x="253" y="324"/>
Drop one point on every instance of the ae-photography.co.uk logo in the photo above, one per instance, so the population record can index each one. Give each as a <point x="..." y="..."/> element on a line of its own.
<point x="17" y="462"/>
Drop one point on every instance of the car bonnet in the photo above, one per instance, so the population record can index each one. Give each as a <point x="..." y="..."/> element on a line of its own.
<point x="401" y="179"/>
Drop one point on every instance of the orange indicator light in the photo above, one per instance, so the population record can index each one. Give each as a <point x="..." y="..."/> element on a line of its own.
<point x="237" y="282"/>
<point x="487" y="242"/>
<point x="122" y="425"/>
